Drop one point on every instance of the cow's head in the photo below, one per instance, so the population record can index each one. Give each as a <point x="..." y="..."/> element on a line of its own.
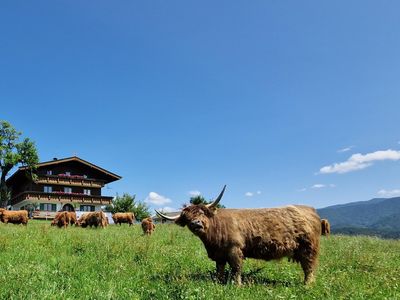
<point x="196" y="217"/>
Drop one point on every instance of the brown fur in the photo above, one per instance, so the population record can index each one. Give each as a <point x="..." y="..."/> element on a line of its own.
<point x="97" y="218"/>
<point x="14" y="216"/>
<point x="147" y="226"/>
<point x="72" y="217"/>
<point x="61" y="219"/>
<point x="325" y="227"/>
<point x="128" y="217"/>
<point x="230" y="235"/>
<point x="64" y="218"/>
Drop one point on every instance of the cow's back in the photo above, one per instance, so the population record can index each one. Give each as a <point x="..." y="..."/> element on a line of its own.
<point x="266" y="233"/>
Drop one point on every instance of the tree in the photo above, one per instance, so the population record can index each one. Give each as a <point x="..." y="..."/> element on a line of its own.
<point x="201" y="200"/>
<point x="127" y="203"/>
<point x="14" y="153"/>
<point x="141" y="211"/>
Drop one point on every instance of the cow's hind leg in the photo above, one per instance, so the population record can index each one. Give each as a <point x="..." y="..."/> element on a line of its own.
<point x="308" y="261"/>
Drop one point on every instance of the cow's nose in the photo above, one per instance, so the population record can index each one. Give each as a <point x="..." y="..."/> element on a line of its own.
<point x="196" y="223"/>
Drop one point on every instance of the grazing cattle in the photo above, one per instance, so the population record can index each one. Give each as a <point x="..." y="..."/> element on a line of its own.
<point x="325" y="227"/>
<point x="64" y="218"/>
<point x="148" y="226"/>
<point x="120" y="218"/>
<point x="72" y="217"/>
<point x="230" y="235"/>
<point x="97" y="218"/>
<point x="81" y="219"/>
<point x="14" y="216"/>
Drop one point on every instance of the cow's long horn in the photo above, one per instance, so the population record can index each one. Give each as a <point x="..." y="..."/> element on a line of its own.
<point x="166" y="217"/>
<point x="215" y="203"/>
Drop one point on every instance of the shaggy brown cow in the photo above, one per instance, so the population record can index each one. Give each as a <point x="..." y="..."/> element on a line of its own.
<point x="230" y="235"/>
<point x="97" y="218"/>
<point x="64" y="218"/>
<point x="14" y="216"/>
<point x="127" y="217"/>
<point x="325" y="227"/>
<point x="148" y="226"/>
<point x="72" y="217"/>
<point x="81" y="219"/>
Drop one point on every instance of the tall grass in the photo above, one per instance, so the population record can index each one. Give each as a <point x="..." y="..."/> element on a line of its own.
<point x="43" y="262"/>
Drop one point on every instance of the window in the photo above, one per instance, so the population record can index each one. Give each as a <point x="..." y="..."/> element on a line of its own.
<point x="87" y="208"/>
<point x="49" y="172"/>
<point x="86" y="191"/>
<point x="48" y="206"/>
<point x="67" y="190"/>
<point x="48" y="189"/>
<point x="68" y="173"/>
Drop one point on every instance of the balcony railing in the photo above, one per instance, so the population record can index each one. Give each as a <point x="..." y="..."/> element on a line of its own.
<point x="61" y="197"/>
<point x="43" y="214"/>
<point x="73" y="180"/>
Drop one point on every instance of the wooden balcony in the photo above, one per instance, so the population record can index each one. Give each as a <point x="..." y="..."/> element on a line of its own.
<point x="70" y="181"/>
<point x="58" y="197"/>
<point x="44" y="214"/>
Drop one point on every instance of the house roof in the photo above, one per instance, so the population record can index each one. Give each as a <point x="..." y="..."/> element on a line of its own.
<point x="110" y="176"/>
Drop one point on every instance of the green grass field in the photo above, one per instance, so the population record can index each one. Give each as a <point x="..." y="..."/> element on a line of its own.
<point x="42" y="262"/>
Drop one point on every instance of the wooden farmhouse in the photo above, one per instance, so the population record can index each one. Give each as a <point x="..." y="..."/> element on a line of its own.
<point x="71" y="184"/>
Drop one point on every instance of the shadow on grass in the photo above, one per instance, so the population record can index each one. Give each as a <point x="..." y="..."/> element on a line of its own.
<point x="248" y="278"/>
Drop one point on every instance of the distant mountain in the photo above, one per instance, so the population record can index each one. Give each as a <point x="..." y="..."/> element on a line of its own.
<point x="379" y="216"/>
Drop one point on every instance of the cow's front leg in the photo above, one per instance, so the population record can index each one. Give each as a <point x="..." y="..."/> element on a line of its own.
<point x="235" y="261"/>
<point x="221" y="271"/>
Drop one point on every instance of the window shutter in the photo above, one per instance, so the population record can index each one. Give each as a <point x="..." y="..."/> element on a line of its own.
<point x="92" y="208"/>
<point x="54" y="207"/>
<point x="41" y="206"/>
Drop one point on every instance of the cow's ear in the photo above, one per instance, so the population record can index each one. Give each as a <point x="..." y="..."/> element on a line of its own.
<point x="212" y="211"/>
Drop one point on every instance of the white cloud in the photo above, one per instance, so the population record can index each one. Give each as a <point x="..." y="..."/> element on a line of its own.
<point x="391" y="193"/>
<point x="157" y="199"/>
<point x="249" y="194"/>
<point x="302" y="190"/>
<point x="194" y="193"/>
<point x="318" y="186"/>
<point x="345" y="149"/>
<point x="360" y="161"/>
<point x="258" y="192"/>
<point x="168" y="209"/>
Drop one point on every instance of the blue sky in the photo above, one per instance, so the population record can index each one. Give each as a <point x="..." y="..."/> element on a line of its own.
<point x="186" y="96"/>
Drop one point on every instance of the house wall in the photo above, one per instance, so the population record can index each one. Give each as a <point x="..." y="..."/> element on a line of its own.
<point x="59" y="206"/>
<point x="74" y="167"/>
<point x="60" y="188"/>
<point x="95" y="179"/>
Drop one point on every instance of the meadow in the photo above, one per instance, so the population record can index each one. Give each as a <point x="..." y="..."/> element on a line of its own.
<point x="43" y="262"/>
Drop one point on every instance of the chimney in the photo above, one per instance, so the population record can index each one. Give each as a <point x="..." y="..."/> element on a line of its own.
<point x="55" y="158"/>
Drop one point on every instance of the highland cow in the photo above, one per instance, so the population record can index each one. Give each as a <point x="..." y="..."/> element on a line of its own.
<point x="148" y="226"/>
<point x="14" y="216"/>
<point x="95" y="219"/>
<point x="325" y="227"/>
<point x="230" y="235"/>
<point x="127" y="217"/>
<point x="62" y="219"/>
